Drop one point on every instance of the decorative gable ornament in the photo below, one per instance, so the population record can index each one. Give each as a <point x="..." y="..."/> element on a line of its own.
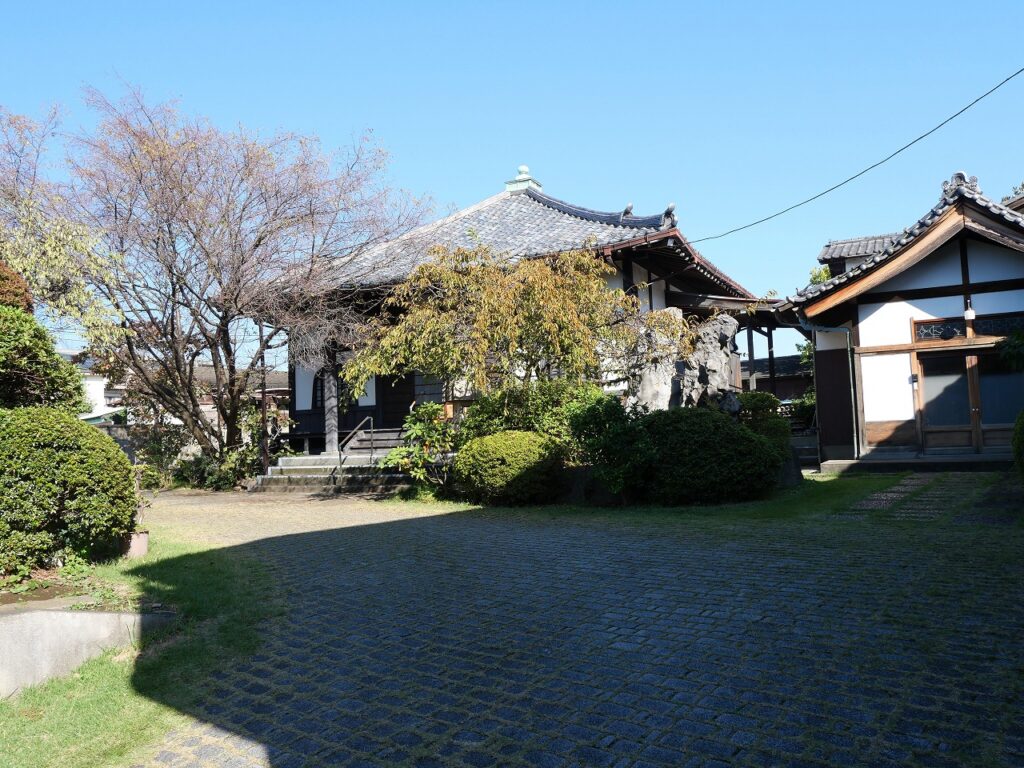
<point x="957" y="180"/>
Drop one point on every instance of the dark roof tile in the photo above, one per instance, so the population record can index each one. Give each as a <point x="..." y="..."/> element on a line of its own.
<point x="959" y="187"/>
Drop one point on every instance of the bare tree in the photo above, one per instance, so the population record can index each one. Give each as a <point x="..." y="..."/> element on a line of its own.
<point x="208" y="231"/>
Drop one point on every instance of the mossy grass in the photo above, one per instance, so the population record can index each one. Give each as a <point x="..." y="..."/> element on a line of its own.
<point x="114" y="707"/>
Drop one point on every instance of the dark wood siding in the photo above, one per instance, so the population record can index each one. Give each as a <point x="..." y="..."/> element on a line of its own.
<point x="835" y="409"/>
<point x="394" y="396"/>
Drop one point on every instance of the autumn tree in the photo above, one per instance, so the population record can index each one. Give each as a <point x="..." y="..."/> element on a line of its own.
<point x="50" y="252"/>
<point x="468" y="315"/>
<point x="184" y="233"/>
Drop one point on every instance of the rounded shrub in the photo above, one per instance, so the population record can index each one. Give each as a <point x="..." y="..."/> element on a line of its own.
<point x="702" y="456"/>
<point x="65" y="487"/>
<point x="31" y="371"/>
<point x="509" y="467"/>
<point x="537" y="406"/>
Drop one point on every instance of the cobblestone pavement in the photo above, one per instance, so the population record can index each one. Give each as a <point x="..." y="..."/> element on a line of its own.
<point x="422" y="636"/>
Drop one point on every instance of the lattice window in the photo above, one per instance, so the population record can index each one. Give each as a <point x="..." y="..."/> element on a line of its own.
<point x="999" y="325"/>
<point x="940" y="329"/>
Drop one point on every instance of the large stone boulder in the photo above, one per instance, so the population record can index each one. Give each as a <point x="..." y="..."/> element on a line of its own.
<point x="706" y="377"/>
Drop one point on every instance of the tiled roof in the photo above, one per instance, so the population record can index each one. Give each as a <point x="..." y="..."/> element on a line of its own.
<point x="517" y="224"/>
<point x="855" y="247"/>
<point x="959" y="187"/>
<point x="785" y="365"/>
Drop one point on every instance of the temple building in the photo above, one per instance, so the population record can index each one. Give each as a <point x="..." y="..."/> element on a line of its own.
<point x="520" y="222"/>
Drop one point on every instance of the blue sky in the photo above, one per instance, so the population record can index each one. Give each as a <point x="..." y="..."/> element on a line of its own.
<point x="730" y="110"/>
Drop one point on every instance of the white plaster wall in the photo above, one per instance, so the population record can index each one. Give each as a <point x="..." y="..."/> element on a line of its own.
<point x="659" y="295"/>
<point x="987" y="261"/>
<point x="939" y="268"/>
<point x="640" y="276"/>
<point x="889" y="323"/>
<point x="95" y="387"/>
<point x="887" y="387"/>
<point x="303" y="388"/>
<point x="826" y="340"/>
<point x="370" y="396"/>
<point x="994" y="303"/>
<point x="614" y="282"/>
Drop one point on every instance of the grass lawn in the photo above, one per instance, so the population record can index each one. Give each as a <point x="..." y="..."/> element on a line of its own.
<point x="116" y="705"/>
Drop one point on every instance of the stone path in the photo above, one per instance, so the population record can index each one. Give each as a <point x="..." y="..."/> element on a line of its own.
<point x="538" y="638"/>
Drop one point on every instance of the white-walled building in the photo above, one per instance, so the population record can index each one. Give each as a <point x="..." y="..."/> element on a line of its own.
<point x="906" y="328"/>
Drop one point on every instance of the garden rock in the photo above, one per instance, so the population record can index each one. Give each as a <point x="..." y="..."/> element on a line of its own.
<point x="706" y="378"/>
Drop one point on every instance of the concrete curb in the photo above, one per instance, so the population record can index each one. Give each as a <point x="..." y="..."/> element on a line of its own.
<point x="37" y="645"/>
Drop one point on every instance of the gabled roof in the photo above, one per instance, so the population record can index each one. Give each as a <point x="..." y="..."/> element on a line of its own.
<point x="518" y="223"/>
<point x="855" y="247"/>
<point x="958" y="189"/>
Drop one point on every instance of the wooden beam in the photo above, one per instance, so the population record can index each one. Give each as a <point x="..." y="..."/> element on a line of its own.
<point x="909" y="294"/>
<point x="947" y="226"/>
<point x="751" y="375"/>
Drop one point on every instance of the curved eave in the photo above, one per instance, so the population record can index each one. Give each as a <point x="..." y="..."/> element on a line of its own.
<point x="673" y="240"/>
<point x="602" y="217"/>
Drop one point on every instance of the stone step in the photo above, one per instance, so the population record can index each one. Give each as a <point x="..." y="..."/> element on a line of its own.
<point x="323" y="470"/>
<point x="377" y="444"/>
<point x="345" y="482"/>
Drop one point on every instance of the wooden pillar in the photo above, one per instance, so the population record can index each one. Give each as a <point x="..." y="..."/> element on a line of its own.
<point x="771" y="362"/>
<point x="331" y="405"/>
<point x="751" y="376"/>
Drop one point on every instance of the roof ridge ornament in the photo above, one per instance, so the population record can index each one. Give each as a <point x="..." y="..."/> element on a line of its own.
<point x="960" y="179"/>
<point x="523" y="181"/>
<point x="627" y="211"/>
<point x="668" y="218"/>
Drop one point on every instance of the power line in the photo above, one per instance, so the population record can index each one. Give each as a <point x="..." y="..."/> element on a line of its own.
<point x="871" y="167"/>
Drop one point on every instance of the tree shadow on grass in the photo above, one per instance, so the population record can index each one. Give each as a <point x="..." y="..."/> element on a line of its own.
<point x="516" y="637"/>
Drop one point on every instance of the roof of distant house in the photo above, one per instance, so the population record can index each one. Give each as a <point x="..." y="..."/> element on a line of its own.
<point x="959" y="187"/>
<point x="785" y="365"/>
<point x="204" y="373"/>
<point x="520" y="222"/>
<point x="855" y="247"/>
<point x="275" y="379"/>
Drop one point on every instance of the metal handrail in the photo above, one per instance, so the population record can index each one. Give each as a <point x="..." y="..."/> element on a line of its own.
<point x="353" y="433"/>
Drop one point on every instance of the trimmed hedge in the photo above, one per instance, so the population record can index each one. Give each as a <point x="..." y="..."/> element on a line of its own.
<point x="510" y="467"/>
<point x="702" y="456"/>
<point x="65" y="487"/>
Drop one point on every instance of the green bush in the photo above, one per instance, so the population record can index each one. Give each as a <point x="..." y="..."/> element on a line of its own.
<point x="702" y="456"/>
<point x="612" y="441"/>
<point x="429" y="441"/>
<point x="14" y="290"/>
<point x="510" y="467"/>
<point x="197" y="471"/>
<point x="31" y="371"/>
<point x="235" y="465"/>
<point x="1018" y="443"/>
<point x="65" y="487"/>
<point x="150" y="478"/>
<point x="545" y="407"/>
<point x="759" y="412"/>
<point x="758" y="403"/>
